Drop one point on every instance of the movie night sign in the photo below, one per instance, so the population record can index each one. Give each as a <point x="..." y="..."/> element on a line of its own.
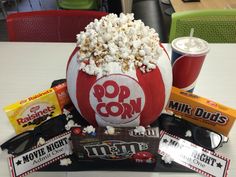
<point x="41" y="156"/>
<point x="192" y="156"/>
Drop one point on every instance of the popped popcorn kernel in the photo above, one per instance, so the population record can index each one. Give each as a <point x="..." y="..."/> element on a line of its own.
<point x="110" y="130"/>
<point x="118" y="39"/>
<point x="65" y="162"/>
<point x="89" y="130"/>
<point x="140" y="129"/>
<point x="41" y="141"/>
<point x="70" y="124"/>
<point x="167" y="159"/>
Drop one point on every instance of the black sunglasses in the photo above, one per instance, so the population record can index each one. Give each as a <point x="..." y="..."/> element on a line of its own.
<point x="26" y="140"/>
<point x="195" y="134"/>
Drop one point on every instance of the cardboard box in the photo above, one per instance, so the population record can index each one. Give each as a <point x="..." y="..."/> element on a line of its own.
<point x="32" y="111"/>
<point x="124" y="144"/>
<point x="201" y="111"/>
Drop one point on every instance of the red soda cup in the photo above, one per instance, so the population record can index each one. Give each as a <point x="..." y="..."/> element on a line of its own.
<point x="188" y="54"/>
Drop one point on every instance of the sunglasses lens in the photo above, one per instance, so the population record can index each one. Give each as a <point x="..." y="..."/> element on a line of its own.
<point x="18" y="144"/>
<point x="208" y="139"/>
<point x="53" y="127"/>
<point x="26" y="140"/>
<point x="202" y="137"/>
<point x="172" y="125"/>
<point x="25" y="145"/>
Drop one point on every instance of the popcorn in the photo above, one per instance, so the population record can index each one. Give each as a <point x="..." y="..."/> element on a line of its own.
<point x="142" y="53"/>
<point x="70" y="116"/>
<point x="110" y="130"/>
<point x="140" y="129"/>
<point x="66" y="112"/>
<point x="70" y="124"/>
<point x="188" y="133"/>
<point x="41" y="141"/>
<point x="117" y="39"/>
<point x="167" y="159"/>
<point x="65" y="162"/>
<point x="89" y="130"/>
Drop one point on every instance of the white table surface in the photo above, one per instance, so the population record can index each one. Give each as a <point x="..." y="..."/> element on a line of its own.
<point x="27" y="68"/>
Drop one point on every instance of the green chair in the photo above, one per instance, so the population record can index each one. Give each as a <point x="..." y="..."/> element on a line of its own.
<point x="79" y="4"/>
<point x="214" y="26"/>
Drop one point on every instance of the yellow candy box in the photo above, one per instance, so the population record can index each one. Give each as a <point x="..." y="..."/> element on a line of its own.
<point x="32" y="111"/>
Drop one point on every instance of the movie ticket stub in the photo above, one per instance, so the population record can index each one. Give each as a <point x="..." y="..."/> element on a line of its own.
<point x="192" y="156"/>
<point x="41" y="156"/>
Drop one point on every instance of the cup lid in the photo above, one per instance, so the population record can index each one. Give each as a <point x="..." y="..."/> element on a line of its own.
<point x="190" y="45"/>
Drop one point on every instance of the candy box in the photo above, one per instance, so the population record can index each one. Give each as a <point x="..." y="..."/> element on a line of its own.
<point x="201" y="111"/>
<point x="32" y="111"/>
<point x="124" y="144"/>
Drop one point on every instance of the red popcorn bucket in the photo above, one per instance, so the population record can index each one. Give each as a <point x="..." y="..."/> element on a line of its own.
<point x="119" y="75"/>
<point x="188" y="55"/>
<point x="120" y="99"/>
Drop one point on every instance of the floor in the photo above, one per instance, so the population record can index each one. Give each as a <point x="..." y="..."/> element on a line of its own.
<point x="151" y="12"/>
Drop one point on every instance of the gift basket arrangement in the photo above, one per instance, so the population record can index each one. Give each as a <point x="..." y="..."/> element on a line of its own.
<point x="124" y="105"/>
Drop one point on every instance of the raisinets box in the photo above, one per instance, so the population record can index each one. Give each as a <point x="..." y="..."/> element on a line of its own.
<point x="28" y="113"/>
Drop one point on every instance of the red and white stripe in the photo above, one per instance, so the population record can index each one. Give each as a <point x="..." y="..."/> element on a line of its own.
<point x="156" y="86"/>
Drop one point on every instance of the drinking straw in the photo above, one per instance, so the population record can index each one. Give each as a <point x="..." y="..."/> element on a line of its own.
<point x="188" y="44"/>
<point x="127" y="6"/>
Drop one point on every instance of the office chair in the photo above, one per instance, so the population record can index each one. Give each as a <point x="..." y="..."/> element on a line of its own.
<point x="81" y="4"/>
<point x="2" y="7"/>
<point x="214" y="26"/>
<point x="49" y="26"/>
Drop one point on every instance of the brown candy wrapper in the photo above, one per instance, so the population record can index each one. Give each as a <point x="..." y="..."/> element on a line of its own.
<point x="124" y="144"/>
